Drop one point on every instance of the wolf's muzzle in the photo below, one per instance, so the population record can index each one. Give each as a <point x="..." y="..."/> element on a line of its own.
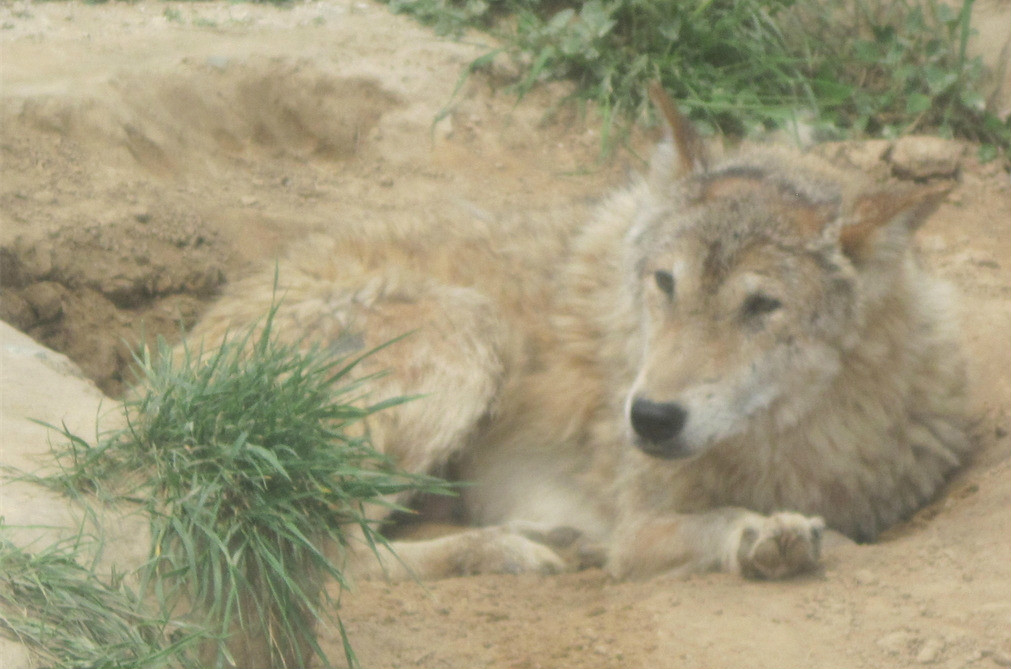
<point x="658" y="426"/>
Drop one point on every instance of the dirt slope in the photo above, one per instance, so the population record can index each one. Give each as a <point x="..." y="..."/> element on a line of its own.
<point x="152" y="151"/>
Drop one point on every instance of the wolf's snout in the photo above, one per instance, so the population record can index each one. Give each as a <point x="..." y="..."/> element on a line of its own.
<point x="658" y="424"/>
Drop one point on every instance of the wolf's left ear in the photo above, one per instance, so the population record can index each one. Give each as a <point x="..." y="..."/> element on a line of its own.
<point x="901" y="209"/>
<point x="680" y="135"/>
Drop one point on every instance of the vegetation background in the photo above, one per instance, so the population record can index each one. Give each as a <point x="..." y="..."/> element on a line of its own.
<point x="824" y="70"/>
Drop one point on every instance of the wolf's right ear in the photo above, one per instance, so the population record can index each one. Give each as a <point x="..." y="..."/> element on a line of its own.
<point x="881" y="215"/>
<point x="680" y="136"/>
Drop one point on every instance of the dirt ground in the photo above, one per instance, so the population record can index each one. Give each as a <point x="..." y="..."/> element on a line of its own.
<point x="153" y="151"/>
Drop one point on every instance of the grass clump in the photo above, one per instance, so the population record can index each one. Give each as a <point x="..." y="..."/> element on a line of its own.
<point x="893" y="68"/>
<point x="741" y="66"/>
<point x="70" y="618"/>
<point x="252" y="462"/>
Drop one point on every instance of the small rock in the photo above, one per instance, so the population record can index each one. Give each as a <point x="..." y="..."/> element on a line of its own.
<point x="930" y="650"/>
<point x="865" y="577"/>
<point x="926" y="157"/>
<point x="45" y="300"/>
<point x="204" y="282"/>
<point x="125" y="292"/>
<point x="443" y="129"/>
<point x="164" y="283"/>
<point x="12" y="270"/>
<point x="867" y="155"/>
<point x="999" y="657"/>
<point x="974" y="656"/>
<point x="15" y="310"/>
<point x="505" y="68"/>
<point x="217" y="62"/>
<point x="896" y="643"/>
<point x="36" y="261"/>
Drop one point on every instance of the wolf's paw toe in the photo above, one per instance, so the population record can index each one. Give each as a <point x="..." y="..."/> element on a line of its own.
<point x="780" y="545"/>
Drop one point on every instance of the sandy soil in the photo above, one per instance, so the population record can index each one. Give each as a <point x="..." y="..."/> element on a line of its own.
<point x="152" y="151"/>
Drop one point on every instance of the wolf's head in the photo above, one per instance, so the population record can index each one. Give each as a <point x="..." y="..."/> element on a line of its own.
<point x="754" y="278"/>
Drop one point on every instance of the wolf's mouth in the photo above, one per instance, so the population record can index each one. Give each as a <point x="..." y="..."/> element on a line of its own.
<point x="670" y="449"/>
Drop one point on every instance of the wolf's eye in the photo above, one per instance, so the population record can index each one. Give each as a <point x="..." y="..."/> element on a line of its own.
<point x="758" y="304"/>
<point x="665" y="282"/>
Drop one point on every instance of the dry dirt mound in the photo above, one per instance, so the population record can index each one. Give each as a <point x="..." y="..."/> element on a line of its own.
<point x="151" y="152"/>
<point x="104" y="245"/>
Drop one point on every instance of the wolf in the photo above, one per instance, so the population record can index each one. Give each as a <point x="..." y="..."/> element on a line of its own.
<point x="727" y="359"/>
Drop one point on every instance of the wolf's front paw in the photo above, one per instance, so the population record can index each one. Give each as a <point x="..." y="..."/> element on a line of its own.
<point x="780" y="545"/>
<point x="502" y="550"/>
<point x="575" y="548"/>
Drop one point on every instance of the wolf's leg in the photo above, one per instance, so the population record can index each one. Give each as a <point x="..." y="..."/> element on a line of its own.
<point x="729" y="539"/>
<point x="457" y="355"/>
<point x="501" y="549"/>
<point x="455" y="352"/>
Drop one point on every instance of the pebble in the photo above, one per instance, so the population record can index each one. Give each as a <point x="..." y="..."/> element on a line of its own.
<point x="868" y="155"/>
<point x="1000" y="657"/>
<point x="865" y="577"/>
<point x="930" y="651"/>
<point x="896" y="643"/>
<point x="45" y="300"/>
<point x="916" y="157"/>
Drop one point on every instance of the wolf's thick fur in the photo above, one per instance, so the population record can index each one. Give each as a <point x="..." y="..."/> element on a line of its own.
<point x="723" y="357"/>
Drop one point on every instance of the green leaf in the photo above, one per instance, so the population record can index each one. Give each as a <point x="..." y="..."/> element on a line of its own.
<point x="987" y="152"/>
<point x="972" y="100"/>
<point x="917" y="103"/>
<point x="866" y="51"/>
<point x="938" y="80"/>
<point x="596" y="18"/>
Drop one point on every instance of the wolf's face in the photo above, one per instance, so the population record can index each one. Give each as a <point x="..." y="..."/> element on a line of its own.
<point x="745" y="310"/>
<point x="754" y="280"/>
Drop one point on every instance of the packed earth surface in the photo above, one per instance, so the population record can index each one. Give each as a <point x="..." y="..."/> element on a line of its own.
<point x="153" y="152"/>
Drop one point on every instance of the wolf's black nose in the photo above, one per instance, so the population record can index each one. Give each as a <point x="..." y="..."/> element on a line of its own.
<point x="657" y="422"/>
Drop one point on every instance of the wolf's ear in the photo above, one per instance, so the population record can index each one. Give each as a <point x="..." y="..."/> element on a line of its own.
<point x="902" y="210"/>
<point x="680" y="134"/>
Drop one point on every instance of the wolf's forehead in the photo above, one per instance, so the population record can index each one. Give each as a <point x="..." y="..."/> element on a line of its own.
<point x="718" y="214"/>
<point x="709" y="258"/>
<point x="742" y="205"/>
<point x="771" y="179"/>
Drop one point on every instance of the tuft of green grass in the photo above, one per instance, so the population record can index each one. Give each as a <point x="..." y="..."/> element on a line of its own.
<point x="70" y="618"/>
<point x="746" y="66"/>
<point x="254" y="464"/>
<point x="889" y="69"/>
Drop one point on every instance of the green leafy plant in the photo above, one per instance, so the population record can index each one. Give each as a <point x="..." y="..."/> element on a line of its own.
<point x="901" y="70"/>
<point x="252" y="461"/>
<point x="741" y="66"/>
